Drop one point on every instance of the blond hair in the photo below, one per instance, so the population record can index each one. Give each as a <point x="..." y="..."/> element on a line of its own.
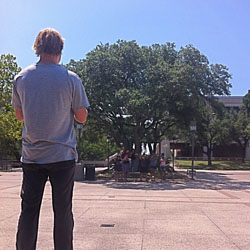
<point x="48" y="41"/>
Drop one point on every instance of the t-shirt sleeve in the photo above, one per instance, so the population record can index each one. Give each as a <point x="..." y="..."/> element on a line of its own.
<point x="80" y="99"/>
<point x="15" y="100"/>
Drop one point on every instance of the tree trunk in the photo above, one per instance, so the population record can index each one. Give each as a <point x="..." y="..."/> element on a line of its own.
<point x="209" y="159"/>
<point x="150" y="148"/>
<point x="154" y="147"/>
<point x="244" y="148"/>
<point x="137" y="144"/>
<point x="243" y="158"/>
<point x="209" y="156"/>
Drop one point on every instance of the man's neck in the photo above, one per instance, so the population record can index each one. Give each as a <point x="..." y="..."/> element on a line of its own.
<point x="50" y="59"/>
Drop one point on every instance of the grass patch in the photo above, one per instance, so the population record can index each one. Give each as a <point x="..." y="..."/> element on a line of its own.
<point x="217" y="165"/>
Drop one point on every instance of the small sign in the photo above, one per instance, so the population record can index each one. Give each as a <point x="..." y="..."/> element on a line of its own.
<point x="193" y="126"/>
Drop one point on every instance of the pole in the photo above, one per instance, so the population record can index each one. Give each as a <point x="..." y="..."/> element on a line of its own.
<point x="173" y="153"/>
<point x="192" y="155"/>
<point x="108" y="154"/>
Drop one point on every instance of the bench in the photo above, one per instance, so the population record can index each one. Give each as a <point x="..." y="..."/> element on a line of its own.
<point x="137" y="175"/>
<point x="134" y="175"/>
<point x="8" y="165"/>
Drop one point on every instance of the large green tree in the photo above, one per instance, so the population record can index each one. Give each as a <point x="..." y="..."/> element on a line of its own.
<point x="131" y="88"/>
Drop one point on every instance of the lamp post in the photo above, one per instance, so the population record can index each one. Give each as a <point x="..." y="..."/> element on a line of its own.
<point x="79" y="128"/>
<point x="108" y="140"/>
<point x="174" y="140"/>
<point x="193" y="129"/>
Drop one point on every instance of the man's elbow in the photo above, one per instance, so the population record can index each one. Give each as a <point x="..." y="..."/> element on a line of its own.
<point x="81" y="115"/>
<point x="19" y="115"/>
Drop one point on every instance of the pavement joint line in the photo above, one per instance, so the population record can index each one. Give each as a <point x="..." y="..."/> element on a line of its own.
<point x="227" y="194"/>
<point x="220" y="230"/>
<point x="172" y="201"/>
<point x="12" y="198"/>
<point x="142" y="235"/>
<point x="10" y="187"/>
<point x="165" y="196"/>
<point x="117" y="196"/>
<point x="106" y="193"/>
<point x="83" y="213"/>
<point x="186" y="195"/>
<point x="148" y="200"/>
<point x="7" y="218"/>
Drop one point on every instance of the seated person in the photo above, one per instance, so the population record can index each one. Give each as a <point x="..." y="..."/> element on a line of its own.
<point x="118" y="168"/>
<point x="144" y="167"/>
<point x="125" y="166"/>
<point x="163" y="167"/>
<point x="153" y="166"/>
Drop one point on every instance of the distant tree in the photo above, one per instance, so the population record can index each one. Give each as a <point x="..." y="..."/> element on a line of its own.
<point x="10" y="128"/>
<point x="212" y="128"/>
<point x="10" y="135"/>
<point x="246" y="102"/>
<point x="8" y="70"/>
<point x="240" y="125"/>
<point x="93" y="143"/>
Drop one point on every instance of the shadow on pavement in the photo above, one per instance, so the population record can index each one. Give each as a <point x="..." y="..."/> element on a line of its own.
<point x="204" y="180"/>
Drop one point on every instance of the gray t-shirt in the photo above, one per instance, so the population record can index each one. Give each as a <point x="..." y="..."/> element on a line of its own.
<point x="48" y="95"/>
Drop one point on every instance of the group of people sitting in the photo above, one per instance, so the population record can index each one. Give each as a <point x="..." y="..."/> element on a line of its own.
<point x="129" y="161"/>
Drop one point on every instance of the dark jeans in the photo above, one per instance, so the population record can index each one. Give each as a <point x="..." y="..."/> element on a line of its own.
<point x="35" y="176"/>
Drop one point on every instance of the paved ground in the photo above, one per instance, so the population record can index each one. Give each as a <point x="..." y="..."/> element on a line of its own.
<point x="212" y="212"/>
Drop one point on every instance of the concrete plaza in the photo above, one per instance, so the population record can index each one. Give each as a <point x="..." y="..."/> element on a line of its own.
<point x="212" y="212"/>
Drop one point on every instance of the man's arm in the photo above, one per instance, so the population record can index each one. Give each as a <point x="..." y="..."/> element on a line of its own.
<point x="81" y="115"/>
<point x="19" y="114"/>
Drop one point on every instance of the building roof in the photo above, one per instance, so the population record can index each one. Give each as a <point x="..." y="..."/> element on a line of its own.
<point x="231" y="101"/>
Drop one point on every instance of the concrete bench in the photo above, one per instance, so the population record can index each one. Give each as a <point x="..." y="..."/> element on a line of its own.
<point x="134" y="175"/>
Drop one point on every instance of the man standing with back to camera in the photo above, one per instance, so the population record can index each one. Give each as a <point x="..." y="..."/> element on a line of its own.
<point x="47" y="98"/>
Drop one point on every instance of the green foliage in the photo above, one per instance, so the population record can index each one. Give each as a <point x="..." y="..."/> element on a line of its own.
<point x="93" y="143"/>
<point x="8" y="70"/>
<point x="10" y="135"/>
<point x="97" y="150"/>
<point x="238" y="124"/>
<point x="212" y="128"/>
<point x="132" y="88"/>
<point x="137" y="93"/>
<point x="241" y="130"/>
<point x="10" y="128"/>
<point x="246" y="102"/>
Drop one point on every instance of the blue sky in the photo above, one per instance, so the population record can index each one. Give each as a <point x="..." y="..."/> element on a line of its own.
<point x="220" y="29"/>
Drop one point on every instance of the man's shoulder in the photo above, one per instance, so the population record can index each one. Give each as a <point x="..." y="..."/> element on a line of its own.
<point x="25" y="71"/>
<point x="73" y="75"/>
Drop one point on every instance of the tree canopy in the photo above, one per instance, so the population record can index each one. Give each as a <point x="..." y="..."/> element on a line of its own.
<point x="139" y="92"/>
